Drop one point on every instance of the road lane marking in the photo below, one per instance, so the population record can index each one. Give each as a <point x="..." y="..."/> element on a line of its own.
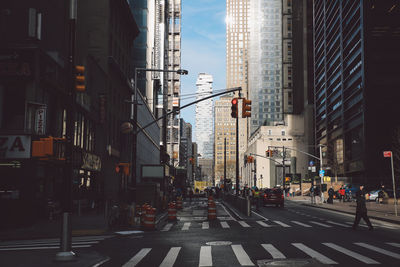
<point x="167" y="227"/>
<point x="223" y="206"/>
<point x="243" y="223"/>
<point x="205" y="256"/>
<point x="351" y="223"/>
<point x="170" y="259"/>
<point x="137" y="258"/>
<point x="43" y="247"/>
<point x="205" y="225"/>
<point x="314" y="254"/>
<point x="350" y="253"/>
<point x="186" y="226"/>
<point x="380" y="250"/>
<point x="263" y="224"/>
<point x="225" y="225"/>
<point x="340" y="224"/>
<point x="260" y="215"/>
<point x="397" y="245"/>
<point x="241" y="255"/>
<point x="276" y="254"/>
<point x="282" y="224"/>
<point x="321" y="224"/>
<point x="301" y="224"/>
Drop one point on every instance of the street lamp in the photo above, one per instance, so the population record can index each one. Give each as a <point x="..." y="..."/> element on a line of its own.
<point x="135" y="114"/>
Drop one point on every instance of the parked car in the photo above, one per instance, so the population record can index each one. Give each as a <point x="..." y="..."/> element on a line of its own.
<point x="373" y="195"/>
<point x="273" y="196"/>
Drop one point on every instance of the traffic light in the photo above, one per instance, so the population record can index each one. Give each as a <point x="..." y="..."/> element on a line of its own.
<point x="268" y="153"/>
<point x="246" y="108"/>
<point x="250" y="159"/>
<point x="234" y="108"/>
<point x="80" y="78"/>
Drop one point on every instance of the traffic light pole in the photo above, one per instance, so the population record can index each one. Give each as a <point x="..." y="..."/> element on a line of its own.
<point x="225" y="164"/>
<point x="65" y="253"/>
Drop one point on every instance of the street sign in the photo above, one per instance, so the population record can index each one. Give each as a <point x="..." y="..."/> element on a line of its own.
<point x="387" y="154"/>
<point x="321" y="172"/>
<point x="311" y="163"/>
<point x="313" y="169"/>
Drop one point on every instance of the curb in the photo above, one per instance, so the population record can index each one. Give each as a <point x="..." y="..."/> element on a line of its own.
<point x="352" y="213"/>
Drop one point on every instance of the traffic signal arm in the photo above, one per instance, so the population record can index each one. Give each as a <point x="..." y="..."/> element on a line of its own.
<point x="80" y="78"/>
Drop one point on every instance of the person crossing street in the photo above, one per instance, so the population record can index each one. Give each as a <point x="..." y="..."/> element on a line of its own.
<point x="361" y="210"/>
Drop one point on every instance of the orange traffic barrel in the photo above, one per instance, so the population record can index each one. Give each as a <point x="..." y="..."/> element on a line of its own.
<point x="143" y="213"/>
<point x="149" y="221"/>
<point x="171" y="211"/>
<point x="179" y="204"/>
<point x="212" y="211"/>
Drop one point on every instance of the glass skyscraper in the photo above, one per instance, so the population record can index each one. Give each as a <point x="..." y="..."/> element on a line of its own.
<point x="265" y="62"/>
<point x="204" y="117"/>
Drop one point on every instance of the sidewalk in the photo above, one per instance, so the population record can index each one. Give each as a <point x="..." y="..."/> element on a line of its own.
<point x="87" y="224"/>
<point x="384" y="212"/>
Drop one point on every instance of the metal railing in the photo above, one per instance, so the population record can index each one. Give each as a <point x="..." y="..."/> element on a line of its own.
<point x="242" y="204"/>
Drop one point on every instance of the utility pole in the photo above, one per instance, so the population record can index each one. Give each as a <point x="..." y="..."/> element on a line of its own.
<point x="225" y="164"/>
<point x="320" y="173"/>
<point x="237" y="152"/>
<point x="65" y="253"/>
<point x="284" y="167"/>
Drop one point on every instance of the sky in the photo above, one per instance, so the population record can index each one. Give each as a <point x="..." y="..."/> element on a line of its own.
<point x="203" y="49"/>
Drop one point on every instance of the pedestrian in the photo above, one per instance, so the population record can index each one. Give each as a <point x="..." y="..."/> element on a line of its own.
<point x="342" y="192"/>
<point x="257" y="198"/>
<point x="331" y="192"/>
<point x="361" y="210"/>
<point x="381" y="195"/>
<point x="190" y="194"/>
<point x="312" y="194"/>
<point x="291" y="192"/>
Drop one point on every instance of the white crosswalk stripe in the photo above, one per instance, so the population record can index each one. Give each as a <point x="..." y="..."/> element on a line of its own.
<point x="321" y="224"/>
<point x="205" y="225"/>
<point x="53" y="243"/>
<point x="243" y="223"/>
<point x="301" y="224"/>
<point x="225" y="225"/>
<point x="282" y="224"/>
<point x="186" y="226"/>
<point x="205" y="256"/>
<point x="351" y="223"/>
<point x="397" y="245"/>
<point x="167" y="227"/>
<point x="263" y="224"/>
<point x="241" y="255"/>
<point x="350" y="253"/>
<point x="380" y="250"/>
<point x="276" y="254"/>
<point x="336" y="223"/>
<point x="314" y="254"/>
<point x="170" y="259"/>
<point x="137" y="258"/>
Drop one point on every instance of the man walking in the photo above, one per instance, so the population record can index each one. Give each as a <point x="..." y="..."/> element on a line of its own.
<point x="361" y="210"/>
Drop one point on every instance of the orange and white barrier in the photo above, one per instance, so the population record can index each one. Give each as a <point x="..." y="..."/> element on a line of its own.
<point x="150" y="218"/>
<point x="172" y="211"/>
<point x="212" y="210"/>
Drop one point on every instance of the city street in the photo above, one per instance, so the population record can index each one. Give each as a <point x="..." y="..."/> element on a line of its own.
<point x="295" y="232"/>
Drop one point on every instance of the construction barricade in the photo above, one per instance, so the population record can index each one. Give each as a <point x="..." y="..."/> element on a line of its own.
<point x="212" y="210"/>
<point x="179" y="203"/>
<point x="150" y="219"/>
<point x="172" y="211"/>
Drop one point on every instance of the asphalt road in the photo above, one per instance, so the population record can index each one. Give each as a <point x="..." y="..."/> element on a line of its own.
<point x="294" y="232"/>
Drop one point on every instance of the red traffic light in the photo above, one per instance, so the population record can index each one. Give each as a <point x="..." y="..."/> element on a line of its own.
<point x="234" y="108"/>
<point x="234" y="101"/>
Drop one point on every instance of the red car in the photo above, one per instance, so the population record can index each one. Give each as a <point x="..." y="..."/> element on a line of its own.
<point x="273" y="196"/>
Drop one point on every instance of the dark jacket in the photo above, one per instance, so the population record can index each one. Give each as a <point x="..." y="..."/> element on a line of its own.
<point x="360" y="196"/>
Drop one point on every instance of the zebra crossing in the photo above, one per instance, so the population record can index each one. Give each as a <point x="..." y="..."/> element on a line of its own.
<point x="238" y="254"/>
<point x="51" y="243"/>
<point x="229" y="224"/>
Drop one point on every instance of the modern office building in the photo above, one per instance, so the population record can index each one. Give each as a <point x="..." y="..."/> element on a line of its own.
<point x="174" y="84"/>
<point x="356" y="86"/>
<point x="224" y="131"/>
<point x="265" y="62"/>
<point x="186" y="154"/>
<point x="204" y="116"/>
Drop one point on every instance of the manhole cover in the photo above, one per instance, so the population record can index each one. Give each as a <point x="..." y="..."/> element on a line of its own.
<point x="219" y="243"/>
